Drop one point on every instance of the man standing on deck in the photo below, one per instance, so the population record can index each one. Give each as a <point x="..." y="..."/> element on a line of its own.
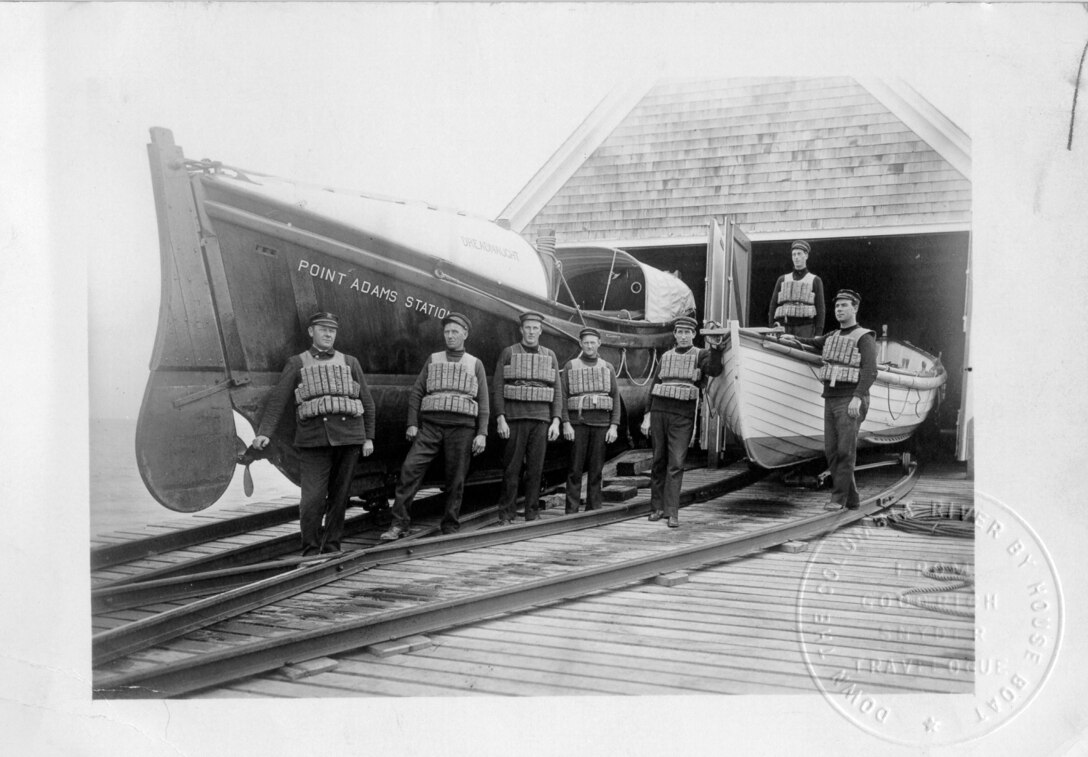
<point x="335" y="415"/>
<point x="797" y="302"/>
<point x="525" y="401"/>
<point x="447" y="412"/>
<point x="848" y="370"/>
<point x="674" y="405"/>
<point x="591" y="418"/>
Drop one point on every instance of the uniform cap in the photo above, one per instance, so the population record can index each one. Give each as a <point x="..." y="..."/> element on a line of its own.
<point x="459" y="319"/>
<point x="325" y="319"/>
<point x="588" y="331"/>
<point x="802" y="245"/>
<point x="530" y="315"/>
<point x="848" y="294"/>
<point x="684" y="322"/>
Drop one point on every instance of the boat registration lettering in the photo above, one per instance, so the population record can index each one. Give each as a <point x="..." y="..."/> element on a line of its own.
<point x="364" y="286"/>
<point x="484" y="246"/>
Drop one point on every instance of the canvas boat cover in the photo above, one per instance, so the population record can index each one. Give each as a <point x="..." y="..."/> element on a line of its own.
<point x="666" y="297"/>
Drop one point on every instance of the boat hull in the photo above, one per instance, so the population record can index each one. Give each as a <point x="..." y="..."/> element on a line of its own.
<point x="770" y="397"/>
<point x="241" y="276"/>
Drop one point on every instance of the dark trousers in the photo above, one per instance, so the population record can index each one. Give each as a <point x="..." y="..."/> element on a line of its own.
<point x="527" y="444"/>
<point x="326" y="474"/>
<point x="671" y="435"/>
<point x="798" y="328"/>
<point x="456" y="443"/>
<point x="841" y="448"/>
<point x="586" y="454"/>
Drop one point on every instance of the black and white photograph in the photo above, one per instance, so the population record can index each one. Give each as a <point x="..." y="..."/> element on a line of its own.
<point x="460" y="378"/>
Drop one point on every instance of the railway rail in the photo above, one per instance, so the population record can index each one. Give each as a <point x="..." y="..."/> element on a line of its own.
<point x="126" y="667"/>
<point x="163" y="626"/>
<point x="245" y="565"/>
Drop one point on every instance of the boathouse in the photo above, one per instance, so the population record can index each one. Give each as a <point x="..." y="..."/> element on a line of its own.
<point x="869" y="172"/>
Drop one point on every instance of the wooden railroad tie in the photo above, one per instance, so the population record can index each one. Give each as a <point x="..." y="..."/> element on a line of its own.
<point x="634" y="467"/>
<point x="618" y="493"/>
<point x="298" y="670"/>
<point x="640" y="482"/>
<point x="400" y="646"/>
<point x="671" y="579"/>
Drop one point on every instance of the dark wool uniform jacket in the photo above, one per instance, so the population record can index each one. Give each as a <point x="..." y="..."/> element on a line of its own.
<point x="867" y="348"/>
<point x="588" y="416"/>
<point x="818" y="301"/>
<point x="419" y="390"/>
<point x="709" y="363"/>
<point x="321" y="431"/>
<point x="515" y="410"/>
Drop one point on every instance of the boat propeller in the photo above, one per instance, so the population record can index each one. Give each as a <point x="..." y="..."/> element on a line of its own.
<point x="245" y="456"/>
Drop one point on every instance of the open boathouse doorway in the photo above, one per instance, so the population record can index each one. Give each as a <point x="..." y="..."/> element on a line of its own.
<point x="915" y="284"/>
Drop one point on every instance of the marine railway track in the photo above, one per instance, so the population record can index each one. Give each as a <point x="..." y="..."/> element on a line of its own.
<point x="259" y="617"/>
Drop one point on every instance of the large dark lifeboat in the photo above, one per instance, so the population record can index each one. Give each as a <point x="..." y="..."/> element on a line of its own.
<point x="246" y="258"/>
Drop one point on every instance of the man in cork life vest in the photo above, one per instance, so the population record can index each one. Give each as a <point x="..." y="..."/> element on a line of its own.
<point x="848" y="370"/>
<point x="591" y="418"/>
<point x="528" y="409"/>
<point x="797" y="302"/>
<point x="447" y="413"/>
<point x="674" y="405"/>
<point x="335" y="424"/>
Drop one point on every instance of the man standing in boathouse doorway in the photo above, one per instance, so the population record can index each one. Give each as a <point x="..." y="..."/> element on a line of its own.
<point x="797" y="302"/>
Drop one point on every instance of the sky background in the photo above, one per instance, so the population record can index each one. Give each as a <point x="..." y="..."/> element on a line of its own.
<point x="460" y="105"/>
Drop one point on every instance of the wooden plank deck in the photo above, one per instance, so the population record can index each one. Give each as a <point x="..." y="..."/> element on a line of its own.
<point x="733" y="628"/>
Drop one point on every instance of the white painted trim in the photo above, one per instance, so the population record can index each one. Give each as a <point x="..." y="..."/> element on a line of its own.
<point x="574" y="152"/>
<point x="774" y="236"/>
<point x="935" y="128"/>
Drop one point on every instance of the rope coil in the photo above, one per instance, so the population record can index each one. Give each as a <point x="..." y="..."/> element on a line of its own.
<point x="953" y="577"/>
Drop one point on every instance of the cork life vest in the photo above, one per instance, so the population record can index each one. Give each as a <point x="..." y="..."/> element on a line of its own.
<point x="679" y="375"/>
<point x="326" y="387"/>
<point x="842" y="360"/>
<point x="589" y="386"/>
<point x="529" y="377"/>
<point x="796" y="298"/>
<point x="451" y="387"/>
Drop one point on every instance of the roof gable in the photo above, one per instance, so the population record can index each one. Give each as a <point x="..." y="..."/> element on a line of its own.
<point x="783" y="156"/>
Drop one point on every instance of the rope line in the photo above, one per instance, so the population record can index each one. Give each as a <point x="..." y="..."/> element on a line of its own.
<point x="953" y="577"/>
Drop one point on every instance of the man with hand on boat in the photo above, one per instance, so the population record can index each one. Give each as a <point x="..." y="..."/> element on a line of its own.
<point x="447" y="413"/>
<point x="335" y="424"/>
<point x="591" y="418"/>
<point x="848" y="370"/>
<point x="797" y="302"/>
<point x="674" y="406"/>
<point x="528" y="410"/>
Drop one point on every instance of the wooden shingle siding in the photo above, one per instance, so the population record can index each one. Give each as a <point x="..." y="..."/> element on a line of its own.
<point x="777" y="154"/>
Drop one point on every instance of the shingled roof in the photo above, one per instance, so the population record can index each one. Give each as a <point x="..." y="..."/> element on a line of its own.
<point x="784" y="156"/>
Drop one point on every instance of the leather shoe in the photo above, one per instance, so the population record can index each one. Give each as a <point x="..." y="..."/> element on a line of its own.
<point x="832" y="506"/>
<point x="674" y="522"/>
<point x="394" y="533"/>
<point x="656" y="516"/>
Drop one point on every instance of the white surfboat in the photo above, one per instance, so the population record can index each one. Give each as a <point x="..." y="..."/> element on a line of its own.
<point x="769" y="395"/>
